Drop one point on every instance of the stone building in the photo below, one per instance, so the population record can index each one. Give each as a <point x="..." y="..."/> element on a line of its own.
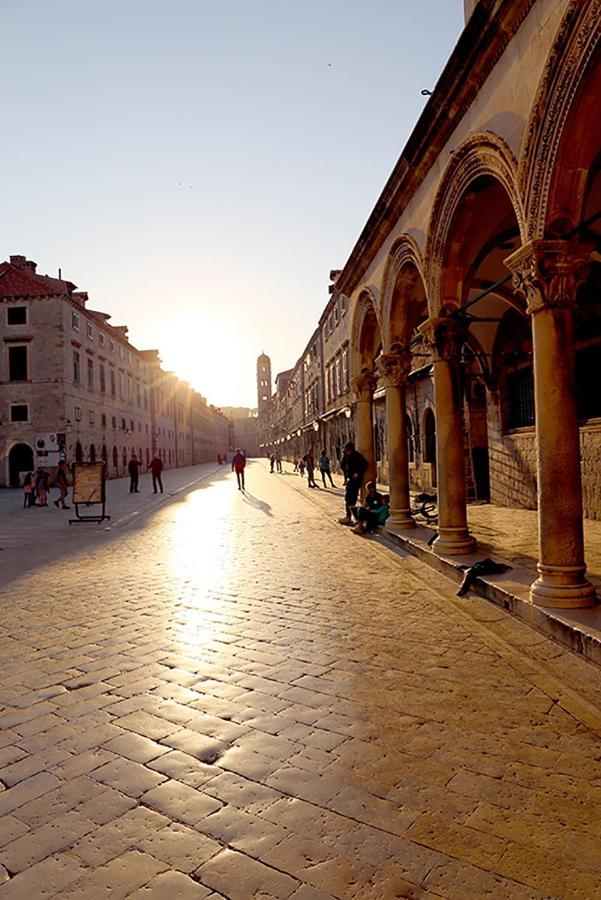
<point x="474" y="288"/>
<point x="244" y="432"/>
<point x="73" y="386"/>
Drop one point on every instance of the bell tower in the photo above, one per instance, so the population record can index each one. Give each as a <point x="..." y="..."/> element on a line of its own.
<point x="263" y="385"/>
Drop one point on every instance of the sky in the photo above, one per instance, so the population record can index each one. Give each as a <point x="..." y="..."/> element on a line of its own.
<point x="199" y="167"/>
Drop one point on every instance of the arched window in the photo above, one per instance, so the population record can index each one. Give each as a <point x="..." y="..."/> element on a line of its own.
<point x="104" y="454"/>
<point x="92" y="453"/>
<point x="78" y="452"/>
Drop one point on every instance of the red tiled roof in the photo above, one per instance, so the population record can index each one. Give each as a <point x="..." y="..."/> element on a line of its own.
<point x="17" y="282"/>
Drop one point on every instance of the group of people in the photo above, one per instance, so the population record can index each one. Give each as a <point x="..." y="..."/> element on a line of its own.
<point x="36" y="487"/>
<point x="307" y="464"/>
<point x="155" y="466"/>
<point x="275" y="462"/>
<point x="375" y="508"/>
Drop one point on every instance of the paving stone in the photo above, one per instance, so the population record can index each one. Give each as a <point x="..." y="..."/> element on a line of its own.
<point x="44" y="879"/>
<point x="183" y="767"/>
<point x="59" y="834"/>
<point x="242" y="877"/>
<point x="128" y="777"/>
<point x="173" y="885"/>
<point x="181" y="847"/>
<point x="180" y="802"/>
<point x="117" y="878"/>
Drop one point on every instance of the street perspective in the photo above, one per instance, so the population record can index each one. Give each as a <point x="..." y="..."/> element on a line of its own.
<point x="300" y="450"/>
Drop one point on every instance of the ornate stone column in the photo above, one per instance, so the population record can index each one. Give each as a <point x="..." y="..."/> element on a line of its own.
<point x="363" y="387"/>
<point x="393" y="369"/>
<point x="445" y="336"/>
<point x="547" y="274"/>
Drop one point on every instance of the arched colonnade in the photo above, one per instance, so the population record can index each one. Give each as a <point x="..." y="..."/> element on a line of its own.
<point x="507" y="274"/>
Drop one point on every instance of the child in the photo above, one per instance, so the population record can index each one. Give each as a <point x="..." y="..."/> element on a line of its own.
<point x="28" y="496"/>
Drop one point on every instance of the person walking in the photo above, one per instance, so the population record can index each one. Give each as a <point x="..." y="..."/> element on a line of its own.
<point x="134" y="473"/>
<point x="271" y="463"/>
<point x="301" y="467"/>
<point x="156" y="468"/>
<point x="63" y="486"/>
<point x="278" y="462"/>
<point x="310" y="464"/>
<point x="324" y="468"/>
<point x="41" y="487"/>
<point x="355" y="466"/>
<point x="238" y="466"/>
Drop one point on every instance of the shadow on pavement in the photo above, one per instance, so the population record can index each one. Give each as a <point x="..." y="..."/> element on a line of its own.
<point x="258" y="504"/>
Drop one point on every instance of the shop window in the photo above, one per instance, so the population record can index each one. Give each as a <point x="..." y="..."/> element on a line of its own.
<point x="520" y="398"/>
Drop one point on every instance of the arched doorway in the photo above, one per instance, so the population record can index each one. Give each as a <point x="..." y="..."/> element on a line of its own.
<point x="367" y="346"/>
<point x="78" y="452"/>
<point x="20" y="460"/>
<point x="92" y="453"/>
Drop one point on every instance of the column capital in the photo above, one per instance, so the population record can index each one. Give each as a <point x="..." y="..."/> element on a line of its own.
<point x="445" y="335"/>
<point x="364" y="385"/>
<point x="394" y="368"/>
<point x="548" y="273"/>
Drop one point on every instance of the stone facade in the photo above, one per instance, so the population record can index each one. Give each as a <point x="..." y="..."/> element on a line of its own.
<point x="73" y="386"/>
<point x="482" y="252"/>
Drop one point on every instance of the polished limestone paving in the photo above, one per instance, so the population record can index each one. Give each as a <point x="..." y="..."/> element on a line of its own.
<point x="228" y="695"/>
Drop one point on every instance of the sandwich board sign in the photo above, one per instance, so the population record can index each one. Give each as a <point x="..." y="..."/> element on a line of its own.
<point x="89" y="490"/>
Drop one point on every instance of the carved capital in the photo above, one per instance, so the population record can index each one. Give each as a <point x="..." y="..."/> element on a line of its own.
<point x="445" y="335"/>
<point x="364" y="385"/>
<point x="393" y="368"/>
<point x="548" y="273"/>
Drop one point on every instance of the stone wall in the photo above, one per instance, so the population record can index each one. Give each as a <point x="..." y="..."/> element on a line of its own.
<point x="590" y="451"/>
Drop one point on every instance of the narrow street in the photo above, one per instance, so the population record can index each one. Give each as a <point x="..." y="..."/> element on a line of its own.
<point x="220" y="694"/>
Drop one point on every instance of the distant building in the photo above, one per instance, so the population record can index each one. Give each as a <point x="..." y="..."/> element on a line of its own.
<point x="72" y="386"/>
<point x="244" y="432"/>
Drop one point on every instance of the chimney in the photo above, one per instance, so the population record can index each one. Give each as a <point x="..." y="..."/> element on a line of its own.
<point x="23" y="264"/>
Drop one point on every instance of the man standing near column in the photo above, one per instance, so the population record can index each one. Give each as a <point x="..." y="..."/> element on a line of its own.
<point x="355" y="467"/>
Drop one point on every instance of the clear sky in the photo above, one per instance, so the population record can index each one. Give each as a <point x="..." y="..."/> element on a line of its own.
<point x="199" y="167"/>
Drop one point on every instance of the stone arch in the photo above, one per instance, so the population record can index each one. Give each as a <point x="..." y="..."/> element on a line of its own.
<point x="403" y="253"/>
<point x="366" y="331"/>
<point x="481" y="155"/>
<point x="20" y="459"/>
<point x="577" y="44"/>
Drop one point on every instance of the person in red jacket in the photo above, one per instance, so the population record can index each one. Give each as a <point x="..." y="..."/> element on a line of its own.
<point x="238" y="466"/>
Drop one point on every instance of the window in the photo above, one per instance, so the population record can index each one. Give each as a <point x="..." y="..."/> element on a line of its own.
<point x="132" y="427"/>
<point x="76" y="367"/>
<point x="77" y="414"/>
<point x="337" y="381"/>
<point x="90" y="373"/>
<point x="91" y="417"/>
<point x="19" y="413"/>
<point x="112" y="380"/>
<point x="121" y="352"/>
<point x="112" y="346"/>
<point x="75" y="321"/>
<point x="520" y="398"/>
<point x="16" y="315"/>
<point x="17" y="363"/>
<point x="343" y="304"/>
<point x="345" y="369"/>
<point x="101" y="339"/>
<point x="114" y="421"/>
<point x="89" y="331"/>
<point x="139" y="426"/>
<point x="103" y="420"/>
<point x="123" y="425"/>
<point x="102" y="375"/>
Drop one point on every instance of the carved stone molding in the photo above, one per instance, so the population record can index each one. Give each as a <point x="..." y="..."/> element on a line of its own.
<point x="481" y="154"/>
<point x="446" y="337"/>
<point x="364" y="385"/>
<point x="549" y="273"/>
<point x="576" y="41"/>
<point x="394" y="368"/>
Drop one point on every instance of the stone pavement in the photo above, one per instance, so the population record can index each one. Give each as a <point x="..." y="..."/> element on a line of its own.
<point x="233" y="696"/>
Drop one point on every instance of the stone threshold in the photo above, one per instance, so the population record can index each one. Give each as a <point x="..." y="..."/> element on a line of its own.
<point x="577" y="629"/>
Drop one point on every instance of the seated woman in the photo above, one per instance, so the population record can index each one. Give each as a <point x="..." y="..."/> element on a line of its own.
<point x="373" y="512"/>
